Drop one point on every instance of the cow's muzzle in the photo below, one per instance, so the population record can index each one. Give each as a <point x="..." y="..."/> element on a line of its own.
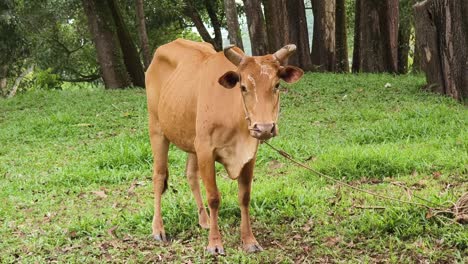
<point x="264" y="131"/>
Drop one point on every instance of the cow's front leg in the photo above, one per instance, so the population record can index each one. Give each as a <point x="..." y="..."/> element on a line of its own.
<point x="249" y="242"/>
<point x="207" y="172"/>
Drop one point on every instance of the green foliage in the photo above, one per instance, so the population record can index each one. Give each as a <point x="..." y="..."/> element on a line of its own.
<point x="44" y="79"/>
<point x="60" y="150"/>
<point x="61" y="42"/>
<point x="12" y="43"/>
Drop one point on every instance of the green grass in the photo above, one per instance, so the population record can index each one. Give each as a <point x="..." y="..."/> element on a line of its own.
<point x="59" y="150"/>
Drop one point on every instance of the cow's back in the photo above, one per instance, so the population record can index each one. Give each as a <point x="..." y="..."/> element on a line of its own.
<point x="172" y="89"/>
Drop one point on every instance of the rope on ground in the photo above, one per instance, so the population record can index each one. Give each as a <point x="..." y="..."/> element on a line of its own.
<point x="457" y="210"/>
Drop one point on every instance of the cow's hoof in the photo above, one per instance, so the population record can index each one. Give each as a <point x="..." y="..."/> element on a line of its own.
<point x="215" y="250"/>
<point x="252" y="248"/>
<point x="161" y="237"/>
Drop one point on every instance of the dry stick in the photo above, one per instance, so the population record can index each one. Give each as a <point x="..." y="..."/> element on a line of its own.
<point x="369" y="207"/>
<point x="411" y="194"/>
<point x="289" y="157"/>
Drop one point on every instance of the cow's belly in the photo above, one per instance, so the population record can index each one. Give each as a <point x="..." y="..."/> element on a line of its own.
<point x="177" y="117"/>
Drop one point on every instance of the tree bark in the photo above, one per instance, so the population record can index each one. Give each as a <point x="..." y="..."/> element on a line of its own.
<point x="142" y="33"/>
<point x="342" y="64"/>
<point x="298" y="34"/>
<point x="256" y="24"/>
<point x="276" y="19"/>
<point x="376" y="42"/>
<point x="416" y="68"/>
<point x="130" y="53"/>
<point x="356" y="66"/>
<point x="442" y="38"/>
<point x="102" y="27"/>
<point x="323" y="42"/>
<point x="403" y="48"/>
<point x="215" y="23"/>
<point x="191" y="12"/>
<point x="232" y="20"/>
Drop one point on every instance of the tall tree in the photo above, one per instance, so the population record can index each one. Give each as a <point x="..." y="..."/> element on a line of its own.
<point x="376" y="36"/>
<point x="442" y="39"/>
<point x="130" y="54"/>
<point x="212" y="8"/>
<point x="323" y="44"/>
<point x="276" y="18"/>
<point x="256" y="24"/>
<point x="356" y="66"/>
<point x="191" y="11"/>
<point x="341" y="39"/>
<point x="110" y="57"/>
<point x="12" y="44"/>
<point x="298" y="34"/>
<point x="232" y="20"/>
<point x="142" y="33"/>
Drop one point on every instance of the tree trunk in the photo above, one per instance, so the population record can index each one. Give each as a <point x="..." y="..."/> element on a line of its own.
<point x="357" y="36"/>
<point x="3" y="80"/>
<point x="323" y="42"/>
<point x="376" y="36"/>
<point x="142" y="33"/>
<point x="342" y="64"/>
<point x="232" y="20"/>
<point x="257" y="31"/>
<point x="416" y="68"/>
<point x="215" y="23"/>
<point x="130" y="53"/>
<point x="191" y="12"/>
<point x="110" y="57"/>
<point x="442" y="38"/>
<point x="403" y="48"/>
<point x="298" y="34"/>
<point x="404" y="34"/>
<point x="276" y="19"/>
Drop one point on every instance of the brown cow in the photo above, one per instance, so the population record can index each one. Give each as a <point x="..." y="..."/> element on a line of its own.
<point x="192" y="103"/>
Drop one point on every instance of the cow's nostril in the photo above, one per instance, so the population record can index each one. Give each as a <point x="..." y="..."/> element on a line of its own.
<point x="273" y="128"/>
<point x="255" y="127"/>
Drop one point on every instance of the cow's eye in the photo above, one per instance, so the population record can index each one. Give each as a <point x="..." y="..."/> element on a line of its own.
<point x="277" y="86"/>
<point x="243" y="88"/>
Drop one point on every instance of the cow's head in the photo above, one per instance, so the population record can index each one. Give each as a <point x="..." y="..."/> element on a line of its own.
<point x="258" y="80"/>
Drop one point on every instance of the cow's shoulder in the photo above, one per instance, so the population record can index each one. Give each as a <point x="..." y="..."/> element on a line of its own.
<point x="185" y="50"/>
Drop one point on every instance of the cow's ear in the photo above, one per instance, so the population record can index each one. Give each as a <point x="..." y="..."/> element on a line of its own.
<point x="229" y="79"/>
<point x="290" y="74"/>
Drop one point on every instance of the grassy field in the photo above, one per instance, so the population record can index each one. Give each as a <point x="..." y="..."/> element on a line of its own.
<point x="75" y="178"/>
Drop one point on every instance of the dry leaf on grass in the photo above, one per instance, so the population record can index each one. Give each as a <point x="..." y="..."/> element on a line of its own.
<point x="100" y="194"/>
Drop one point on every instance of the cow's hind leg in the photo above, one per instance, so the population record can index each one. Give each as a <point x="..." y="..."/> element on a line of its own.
<point x="249" y="242"/>
<point x="194" y="182"/>
<point x="160" y="147"/>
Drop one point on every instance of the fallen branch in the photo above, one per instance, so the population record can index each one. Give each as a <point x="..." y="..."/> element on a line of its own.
<point x="370" y="207"/>
<point x="18" y="81"/>
<point x="461" y="216"/>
